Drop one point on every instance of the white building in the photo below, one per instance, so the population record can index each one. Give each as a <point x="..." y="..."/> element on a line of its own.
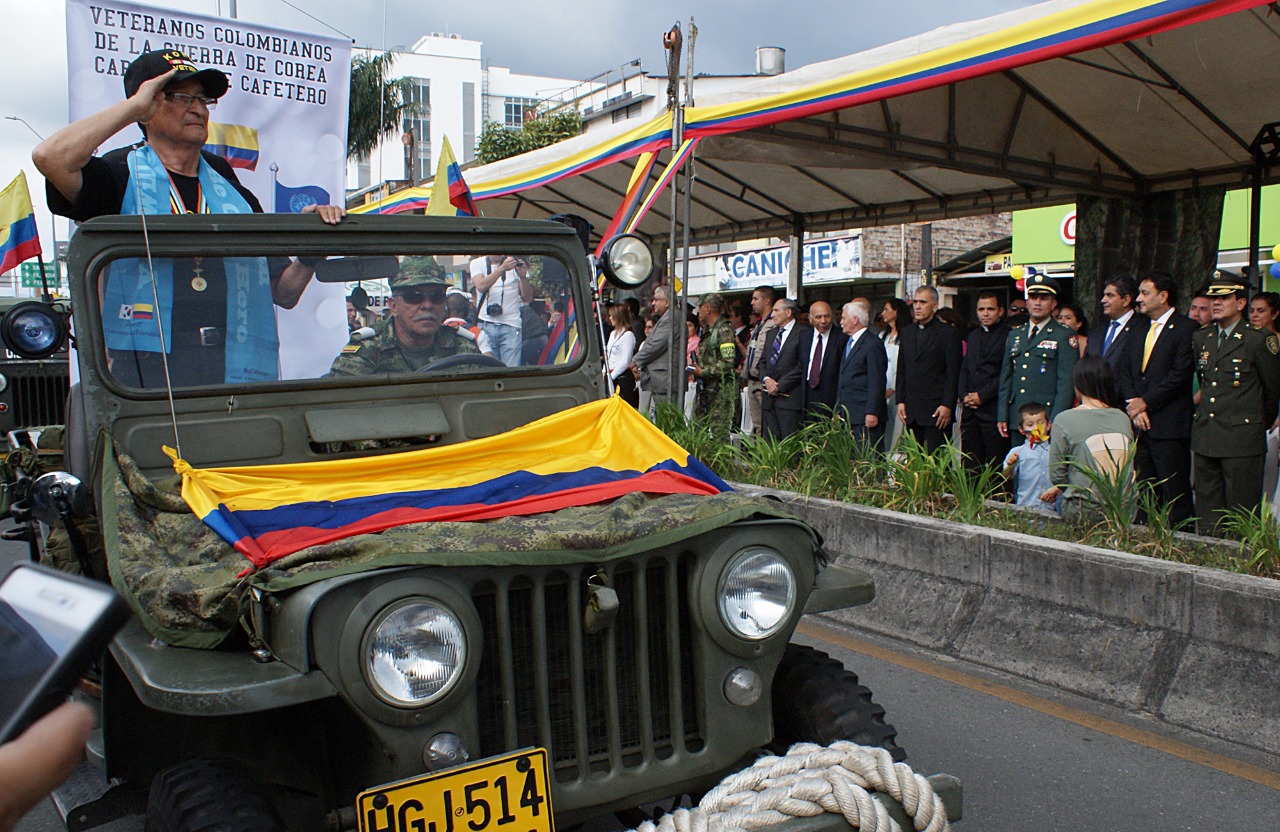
<point x="458" y="91"/>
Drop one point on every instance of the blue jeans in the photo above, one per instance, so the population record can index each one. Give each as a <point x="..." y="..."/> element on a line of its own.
<point x="505" y="340"/>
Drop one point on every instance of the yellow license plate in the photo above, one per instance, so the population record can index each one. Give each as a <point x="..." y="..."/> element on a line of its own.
<point x="500" y="794"/>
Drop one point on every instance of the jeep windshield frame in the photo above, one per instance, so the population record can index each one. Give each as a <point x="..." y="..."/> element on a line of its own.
<point x="285" y="422"/>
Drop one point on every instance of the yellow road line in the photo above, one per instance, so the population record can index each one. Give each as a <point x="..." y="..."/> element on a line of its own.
<point x="1236" y="768"/>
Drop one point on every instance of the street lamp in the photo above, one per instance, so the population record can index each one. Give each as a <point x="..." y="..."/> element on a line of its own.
<point x="53" y="223"/>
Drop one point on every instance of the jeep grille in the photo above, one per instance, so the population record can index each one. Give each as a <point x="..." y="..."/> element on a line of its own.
<point x="37" y="393"/>
<point x="598" y="702"/>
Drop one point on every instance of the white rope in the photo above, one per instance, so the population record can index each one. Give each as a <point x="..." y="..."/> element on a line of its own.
<point x="809" y="780"/>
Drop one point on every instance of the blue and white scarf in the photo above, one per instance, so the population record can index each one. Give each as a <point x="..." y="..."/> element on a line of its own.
<point x="128" y="316"/>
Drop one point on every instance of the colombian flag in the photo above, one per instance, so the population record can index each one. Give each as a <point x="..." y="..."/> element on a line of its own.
<point x="18" y="238"/>
<point x="237" y="143"/>
<point x="589" y="454"/>
<point x="450" y="196"/>
<point x="562" y="342"/>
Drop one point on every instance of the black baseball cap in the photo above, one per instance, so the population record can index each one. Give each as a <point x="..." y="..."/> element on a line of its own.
<point x="153" y="64"/>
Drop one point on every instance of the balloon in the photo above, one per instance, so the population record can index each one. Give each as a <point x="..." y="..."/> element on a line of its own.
<point x="1275" y="270"/>
<point x="1021" y="286"/>
<point x="1275" y="253"/>
<point x="1016" y="272"/>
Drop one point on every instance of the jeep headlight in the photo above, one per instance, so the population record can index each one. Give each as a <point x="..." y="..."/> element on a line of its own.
<point x="757" y="593"/>
<point x="414" y="653"/>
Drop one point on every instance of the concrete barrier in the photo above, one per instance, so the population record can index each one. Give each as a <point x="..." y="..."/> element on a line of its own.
<point x="1196" y="647"/>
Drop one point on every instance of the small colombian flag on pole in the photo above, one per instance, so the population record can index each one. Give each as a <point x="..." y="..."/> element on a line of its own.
<point x="450" y="196"/>
<point x="18" y="238"/>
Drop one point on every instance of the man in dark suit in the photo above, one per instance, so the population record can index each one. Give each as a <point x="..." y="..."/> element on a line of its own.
<point x="1111" y="339"/>
<point x="782" y="369"/>
<point x="980" y="385"/>
<point x="929" y="353"/>
<point x="860" y="392"/>
<point x="1155" y="382"/>
<point x="821" y="346"/>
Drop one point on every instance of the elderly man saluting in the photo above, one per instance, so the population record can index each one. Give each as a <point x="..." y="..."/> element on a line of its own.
<point x="170" y="173"/>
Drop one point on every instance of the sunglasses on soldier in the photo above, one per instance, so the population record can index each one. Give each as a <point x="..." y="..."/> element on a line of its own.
<point x="416" y="295"/>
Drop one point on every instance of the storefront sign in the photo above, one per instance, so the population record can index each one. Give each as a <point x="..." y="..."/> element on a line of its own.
<point x="825" y="261"/>
<point x="998" y="263"/>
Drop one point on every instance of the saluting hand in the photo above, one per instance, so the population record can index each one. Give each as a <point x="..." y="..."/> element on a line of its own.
<point x="149" y="95"/>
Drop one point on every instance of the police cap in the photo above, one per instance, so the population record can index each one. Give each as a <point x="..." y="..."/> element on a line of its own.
<point x="1042" y="284"/>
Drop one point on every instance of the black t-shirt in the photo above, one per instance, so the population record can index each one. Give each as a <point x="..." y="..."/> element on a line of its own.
<point x="199" y="287"/>
<point x="106" y="177"/>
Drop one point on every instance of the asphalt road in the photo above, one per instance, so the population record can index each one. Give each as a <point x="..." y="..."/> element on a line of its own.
<point x="1029" y="757"/>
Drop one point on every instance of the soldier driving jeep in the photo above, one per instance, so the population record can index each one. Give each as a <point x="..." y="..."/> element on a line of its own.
<point x="414" y="337"/>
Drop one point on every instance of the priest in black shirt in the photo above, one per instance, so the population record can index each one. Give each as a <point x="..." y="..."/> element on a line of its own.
<point x="171" y="173"/>
<point x="980" y="439"/>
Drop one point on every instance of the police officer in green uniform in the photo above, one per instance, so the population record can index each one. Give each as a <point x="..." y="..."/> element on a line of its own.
<point x="717" y="355"/>
<point x="1239" y="370"/>
<point x="414" y="337"/>
<point x="1039" y="358"/>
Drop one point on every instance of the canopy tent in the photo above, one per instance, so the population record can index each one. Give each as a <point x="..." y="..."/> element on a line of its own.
<point x="1031" y="107"/>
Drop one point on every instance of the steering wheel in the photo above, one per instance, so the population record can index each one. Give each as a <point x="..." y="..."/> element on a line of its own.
<point x="461" y="360"/>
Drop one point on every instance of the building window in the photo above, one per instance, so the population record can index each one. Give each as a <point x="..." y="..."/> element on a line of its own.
<point x="468" y="121"/>
<point x="515" y="110"/>
<point x="624" y="113"/>
<point x="364" y="172"/>
<point x="420" y="125"/>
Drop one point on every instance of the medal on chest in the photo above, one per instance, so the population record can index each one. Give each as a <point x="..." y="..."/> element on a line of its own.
<point x="198" y="283"/>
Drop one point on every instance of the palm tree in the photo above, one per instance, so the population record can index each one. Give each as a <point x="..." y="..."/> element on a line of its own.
<point x="378" y="103"/>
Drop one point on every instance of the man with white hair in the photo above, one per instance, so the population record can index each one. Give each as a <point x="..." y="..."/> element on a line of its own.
<point x="860" y="391"/>
<point x="929" y="353"/>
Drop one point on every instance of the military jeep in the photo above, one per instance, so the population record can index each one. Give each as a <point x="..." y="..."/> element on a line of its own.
<point x="524" y="670"/>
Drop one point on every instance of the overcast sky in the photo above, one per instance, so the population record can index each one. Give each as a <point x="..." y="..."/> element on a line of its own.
<point x="563" y="38"/>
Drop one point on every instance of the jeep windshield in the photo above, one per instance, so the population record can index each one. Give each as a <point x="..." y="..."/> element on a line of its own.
<point x="213" y="319"/>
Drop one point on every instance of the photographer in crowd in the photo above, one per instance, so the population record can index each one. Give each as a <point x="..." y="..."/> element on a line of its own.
<point x="501" y="284"/>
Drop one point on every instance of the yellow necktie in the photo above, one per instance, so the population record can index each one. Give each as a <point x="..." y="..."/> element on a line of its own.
<point x="1151" y="342"/>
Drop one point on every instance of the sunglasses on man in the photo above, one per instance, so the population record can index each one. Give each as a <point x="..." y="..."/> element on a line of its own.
<point x="416" y="296"/>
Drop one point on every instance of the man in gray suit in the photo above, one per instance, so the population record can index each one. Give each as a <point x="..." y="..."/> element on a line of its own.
<point x="651" y="363"/>
<point x="860" y="391"/>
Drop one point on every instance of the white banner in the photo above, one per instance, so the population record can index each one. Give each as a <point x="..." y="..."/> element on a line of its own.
<point x="825" y="261"/>
<point x="282" y="123"/>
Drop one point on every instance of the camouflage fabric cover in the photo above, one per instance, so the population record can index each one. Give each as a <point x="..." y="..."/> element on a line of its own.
<point x="186" y="584"/>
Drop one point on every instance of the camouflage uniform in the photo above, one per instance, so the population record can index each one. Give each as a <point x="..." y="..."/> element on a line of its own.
<point x="383" y="353"/>
<point x="717" y="355"/>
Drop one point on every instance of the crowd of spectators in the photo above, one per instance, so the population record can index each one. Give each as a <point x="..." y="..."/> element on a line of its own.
<point x="1183" y="402"/>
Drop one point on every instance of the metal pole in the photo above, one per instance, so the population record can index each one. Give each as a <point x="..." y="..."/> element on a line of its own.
<point x="926" y="254"/>
<point x="53" y="227"/>
<point x="1255" y="224"/>
<point x="795" y="268"/>
<point x="677" y="350"/>
<point x="679" y="300"/>
<point x="688" y="195"/>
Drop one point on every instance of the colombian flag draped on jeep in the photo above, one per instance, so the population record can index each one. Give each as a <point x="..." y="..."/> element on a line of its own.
<point x="589" y="454"/>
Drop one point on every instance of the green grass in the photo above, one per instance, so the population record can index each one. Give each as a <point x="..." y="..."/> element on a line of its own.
<point x="823" y="460"/>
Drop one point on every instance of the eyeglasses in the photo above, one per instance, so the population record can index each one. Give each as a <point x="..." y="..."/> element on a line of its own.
<point x="414" y="297"/>
<point x="185" y="99"/>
